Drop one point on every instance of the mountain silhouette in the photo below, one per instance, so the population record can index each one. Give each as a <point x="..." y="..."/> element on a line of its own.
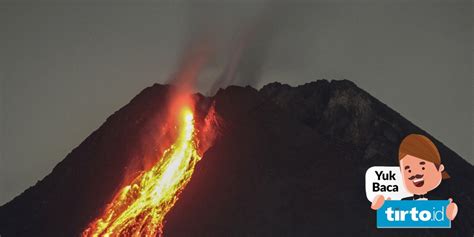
<point x="288" y="161"/>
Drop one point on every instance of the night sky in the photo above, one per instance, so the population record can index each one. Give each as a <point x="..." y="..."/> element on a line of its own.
<point x="65" y="67"/>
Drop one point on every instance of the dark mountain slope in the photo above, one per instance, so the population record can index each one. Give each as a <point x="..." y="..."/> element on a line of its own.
<point x="344" y="113"/>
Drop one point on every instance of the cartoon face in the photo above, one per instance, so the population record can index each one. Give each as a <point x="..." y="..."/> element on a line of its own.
<point x="420" y="176"/>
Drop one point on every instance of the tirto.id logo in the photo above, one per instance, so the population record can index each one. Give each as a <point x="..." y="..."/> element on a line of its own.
<point x="413" y="214"/>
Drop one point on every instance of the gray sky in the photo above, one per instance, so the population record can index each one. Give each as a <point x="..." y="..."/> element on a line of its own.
<point x="66" y="67"/>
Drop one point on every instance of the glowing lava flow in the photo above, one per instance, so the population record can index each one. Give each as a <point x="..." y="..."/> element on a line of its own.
<point x="138" y="209"/>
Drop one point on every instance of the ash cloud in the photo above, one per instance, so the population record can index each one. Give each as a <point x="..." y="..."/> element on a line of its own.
<point x="239" y="37"/>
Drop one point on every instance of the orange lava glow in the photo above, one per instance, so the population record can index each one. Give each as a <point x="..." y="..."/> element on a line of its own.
<point x="139" y="208"/>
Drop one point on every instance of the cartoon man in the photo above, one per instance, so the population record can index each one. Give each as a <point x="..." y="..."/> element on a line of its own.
<point x="422" y="171"/>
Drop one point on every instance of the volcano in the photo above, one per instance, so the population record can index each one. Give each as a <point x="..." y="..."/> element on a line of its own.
<point x="287" y="161"/>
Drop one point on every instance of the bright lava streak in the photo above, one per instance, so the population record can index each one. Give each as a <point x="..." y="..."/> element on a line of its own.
<point x="139" y="208"/>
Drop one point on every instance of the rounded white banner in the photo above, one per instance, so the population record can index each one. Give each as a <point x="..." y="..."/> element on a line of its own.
<point x="385" y="180"/>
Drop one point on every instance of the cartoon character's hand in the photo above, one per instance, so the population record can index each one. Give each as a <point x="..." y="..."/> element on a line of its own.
<point x="378" y="202"/>
<point x="451" y="210"/>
